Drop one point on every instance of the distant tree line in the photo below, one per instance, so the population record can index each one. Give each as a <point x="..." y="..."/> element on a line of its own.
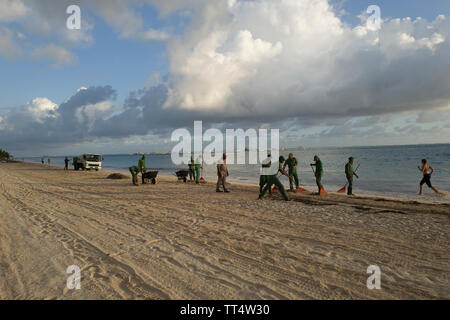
<point x="4" y="155"/>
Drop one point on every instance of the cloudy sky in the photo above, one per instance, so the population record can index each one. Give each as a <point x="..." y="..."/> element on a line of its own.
<point x="138" y="69"/>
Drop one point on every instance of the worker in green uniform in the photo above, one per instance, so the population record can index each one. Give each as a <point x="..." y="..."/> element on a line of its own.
<point x="142" y="169"/>
<point x="198" y="168"/>
<point x="134" y="172"/>
<point x="349" y="173"/>
<point x="273" y="180"/>
<point x="319" y="172"/>
<point x="192" y="169"/>
<point x="263" y="178"/>
<point x="292" y="164"/>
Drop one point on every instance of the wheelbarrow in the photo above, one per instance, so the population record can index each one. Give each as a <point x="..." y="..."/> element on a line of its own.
<point x="182" y="175"/>
<point x="150" y="176"/>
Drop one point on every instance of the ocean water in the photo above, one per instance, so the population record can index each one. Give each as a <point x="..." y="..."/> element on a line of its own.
<point x="384" y="170"/>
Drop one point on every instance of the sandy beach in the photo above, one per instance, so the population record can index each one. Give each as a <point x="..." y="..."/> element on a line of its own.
<point x="185" y="241"/>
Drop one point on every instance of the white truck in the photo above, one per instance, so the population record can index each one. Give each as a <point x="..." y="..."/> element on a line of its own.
<point x="88" y="162"/>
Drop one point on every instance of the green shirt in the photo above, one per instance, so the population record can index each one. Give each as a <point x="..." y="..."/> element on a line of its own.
<point x="141" y="164"/>
<point x="319" y="167"/>
<point x="291" y="163"/>
<point x="349" y="169"/>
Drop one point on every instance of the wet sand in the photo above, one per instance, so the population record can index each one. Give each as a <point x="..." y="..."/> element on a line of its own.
<point x="185" y="241"/>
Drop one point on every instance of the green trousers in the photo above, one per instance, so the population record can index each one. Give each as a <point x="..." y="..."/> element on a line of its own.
<point x="273" y="180"/>
<point x="262" y="182"/>
<point x="319" y="180"/>
<point x="191" y="173"/>
<point x="350" y="185"/>
<point x="293" y="177"/>
<point x="134" y="172"/>
<point x="197" y="173"/>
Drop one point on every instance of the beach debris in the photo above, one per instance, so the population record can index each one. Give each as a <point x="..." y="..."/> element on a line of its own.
<point x="117" y="176"/>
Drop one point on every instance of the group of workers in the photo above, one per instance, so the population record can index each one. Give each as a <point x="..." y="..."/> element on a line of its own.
<point x="269" y="177"/>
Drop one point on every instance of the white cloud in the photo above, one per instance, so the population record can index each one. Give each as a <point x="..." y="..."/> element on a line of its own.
<point x="208" y="75"/>
<point x="269" y="59"/>
<point x="121" y="16"/>
<point x="8" y="47"/>
<point x="88" y="114"/>
<point x="58" y="55"/>
<point x="41" y="109"/>
<point x="12" y="10"/>
<point x="152" y="34"/>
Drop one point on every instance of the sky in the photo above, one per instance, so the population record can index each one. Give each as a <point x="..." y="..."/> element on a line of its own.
<point x="137" y="70"/>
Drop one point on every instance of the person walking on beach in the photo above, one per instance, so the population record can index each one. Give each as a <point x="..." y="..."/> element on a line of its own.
<point x="66" y="163"/>
<point x="349" y="173"/>
<point x="273" y="180"/>
<point x="292" y="164"/>
<point x="192" y="169"/>
<point x="222" y="174"/>
<point x="198" y="168"/>
<point x="318" y="173"/>
<point x="42" y="160"/>
<point x="263" y="178"/>
<point x="427" y="171"/>
<point x="48" y="161"/>
<point x="141" y="167"/>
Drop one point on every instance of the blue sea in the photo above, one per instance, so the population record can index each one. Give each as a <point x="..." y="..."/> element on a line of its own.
<point x="384" y="170"/>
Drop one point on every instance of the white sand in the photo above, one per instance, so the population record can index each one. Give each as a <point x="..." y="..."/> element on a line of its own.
<point x="178" y="241"/>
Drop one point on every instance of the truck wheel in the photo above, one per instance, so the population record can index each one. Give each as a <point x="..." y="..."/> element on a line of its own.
<point x="153" y="181"/>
